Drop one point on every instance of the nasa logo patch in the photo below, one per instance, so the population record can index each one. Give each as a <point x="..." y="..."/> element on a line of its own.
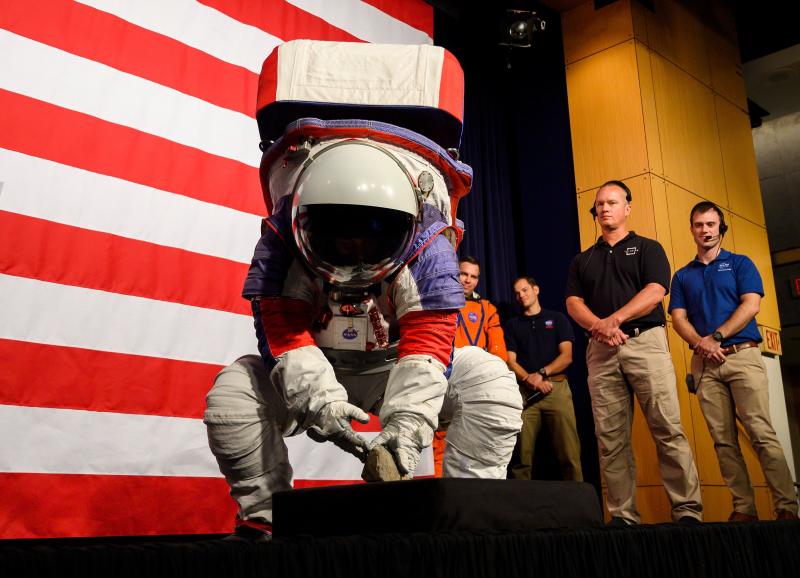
<point x="548" y="324"/>
<point x="473" y="316"/>
<point x="350" y="333"/>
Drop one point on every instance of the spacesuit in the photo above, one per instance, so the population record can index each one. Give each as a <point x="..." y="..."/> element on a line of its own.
<point x="354" y="290"/>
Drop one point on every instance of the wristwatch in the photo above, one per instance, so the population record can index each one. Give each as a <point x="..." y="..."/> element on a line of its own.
<point x="718" y="336"/>
<point x="543" y="373"/>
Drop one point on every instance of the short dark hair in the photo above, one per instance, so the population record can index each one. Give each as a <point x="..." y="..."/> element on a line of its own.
<point x="469" y="259"/>
<point x="704" y="207"/>
<point x="531" y="281"/>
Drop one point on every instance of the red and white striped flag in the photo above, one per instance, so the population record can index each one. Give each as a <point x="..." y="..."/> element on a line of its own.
<point x="129" y="209"/>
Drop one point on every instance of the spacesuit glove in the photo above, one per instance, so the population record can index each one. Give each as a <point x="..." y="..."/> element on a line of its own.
<point x="332" y="423"/>
<point x="405" y="435"/>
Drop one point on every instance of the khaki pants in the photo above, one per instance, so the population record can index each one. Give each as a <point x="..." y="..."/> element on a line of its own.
<point x="557" y="414"/>
<point x="739" y="387"/>
<point x="643" y="367"/>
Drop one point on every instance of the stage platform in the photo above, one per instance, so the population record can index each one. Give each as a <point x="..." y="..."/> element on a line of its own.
<point x="666" y="550"/>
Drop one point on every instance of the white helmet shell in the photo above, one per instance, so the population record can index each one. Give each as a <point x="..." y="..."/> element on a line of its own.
<point x="354" y="212"/>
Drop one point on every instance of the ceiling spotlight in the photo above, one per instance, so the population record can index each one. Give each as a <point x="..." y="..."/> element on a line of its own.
<point x="519" y="26"/>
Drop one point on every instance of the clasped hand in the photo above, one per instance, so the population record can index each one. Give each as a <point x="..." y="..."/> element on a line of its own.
<point x="710" y="349"/>
<point x="607" y="331"/>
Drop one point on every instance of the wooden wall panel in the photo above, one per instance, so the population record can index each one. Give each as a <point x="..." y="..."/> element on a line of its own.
<point x="726" y="69"/>
<point x="653" y="504"/>
<point x="751" y="240"/>
<point x="606" y="121"/>
<point x="739" y="161"/>
<point x="658" y="188"/>
<point x="589" y="229"/>
<point x="678" y="36"/>
<point x="717" y="503"/>
<point x="588" y="31"/>
<point x="688" y="129"/>
<point x="652" y="136"/>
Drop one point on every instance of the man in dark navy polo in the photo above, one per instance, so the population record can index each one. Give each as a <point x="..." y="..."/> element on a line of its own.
<point x="539" y="344"/>
<point x="714" y="302"/>
<point x="614" y="292"/>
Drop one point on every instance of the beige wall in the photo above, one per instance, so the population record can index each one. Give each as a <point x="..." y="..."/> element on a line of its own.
<point x="657" y="99"/>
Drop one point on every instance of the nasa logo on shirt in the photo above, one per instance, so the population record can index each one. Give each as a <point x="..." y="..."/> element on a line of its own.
<point x="724" y="266"/>
<point x="473" y="316"/>
<point x="350" y="333"/>
<point x="631" y="250"/>
<point x="549" y="324"/>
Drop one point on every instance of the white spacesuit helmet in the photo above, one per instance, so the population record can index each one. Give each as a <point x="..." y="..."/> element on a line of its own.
<point x="354" y="212"/>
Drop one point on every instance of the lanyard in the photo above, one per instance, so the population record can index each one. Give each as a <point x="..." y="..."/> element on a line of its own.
<point x="466" y="330"/>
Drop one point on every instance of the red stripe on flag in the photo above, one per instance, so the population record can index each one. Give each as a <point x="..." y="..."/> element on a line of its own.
<point x="38" y="375"/>
<point x="143" y="53"/>
<point x="72" y="138"/>
<point x="280" y="19"/>
<point x="451" y="87"/>
<point x="70" y="505"/>
<point x="39" y="249"/>
<point x="416" y="13"/>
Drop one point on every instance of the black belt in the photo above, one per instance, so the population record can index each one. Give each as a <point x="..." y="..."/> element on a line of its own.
<point x="637" y="331"/>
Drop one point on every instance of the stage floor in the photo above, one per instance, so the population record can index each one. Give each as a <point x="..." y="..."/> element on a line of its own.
<point x="665" y="550"/>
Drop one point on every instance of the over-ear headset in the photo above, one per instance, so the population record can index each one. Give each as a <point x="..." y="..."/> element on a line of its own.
<point x="621" y="185"/>
<point x="704" y="207"/>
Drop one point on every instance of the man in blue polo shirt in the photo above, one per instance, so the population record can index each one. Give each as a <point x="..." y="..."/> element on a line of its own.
<point x="713" y="305"/>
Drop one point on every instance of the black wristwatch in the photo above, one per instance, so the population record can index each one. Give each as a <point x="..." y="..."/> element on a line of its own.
<point x="543" y="373"/>
<point x="718" y="336"/>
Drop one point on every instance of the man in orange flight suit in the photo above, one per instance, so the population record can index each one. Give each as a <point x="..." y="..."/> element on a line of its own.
<point x="478" y="325"/>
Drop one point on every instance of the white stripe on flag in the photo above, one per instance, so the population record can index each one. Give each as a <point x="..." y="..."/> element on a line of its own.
<point x="48" y="190"/>
<point x="66" y="441"/>
<point x="51" y="75"/>
<point x="56" y="314"/>
<point x="198" y="26"/>
<point x="314" y="461"/>
<point x="364" y="21"/>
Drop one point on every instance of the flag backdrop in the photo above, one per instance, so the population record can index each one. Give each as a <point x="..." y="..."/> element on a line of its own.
<point x="129" y="209"/>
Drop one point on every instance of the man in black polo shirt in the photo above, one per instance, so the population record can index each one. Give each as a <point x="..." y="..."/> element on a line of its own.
<point x="539" y="344"/>
<point x="614" y="291"/>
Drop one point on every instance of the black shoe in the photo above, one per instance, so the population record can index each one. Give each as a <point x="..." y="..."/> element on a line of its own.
<point x="617" y="522"/>
<point x="689" y="521"/>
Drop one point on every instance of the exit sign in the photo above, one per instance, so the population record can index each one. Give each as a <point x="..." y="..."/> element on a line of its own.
<point x="794" y="284"/>
<point x="772" y="341"/>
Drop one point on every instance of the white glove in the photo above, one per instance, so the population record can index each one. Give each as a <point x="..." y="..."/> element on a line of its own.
<point x="332" y="423"/>
<point x="405" y="435"/>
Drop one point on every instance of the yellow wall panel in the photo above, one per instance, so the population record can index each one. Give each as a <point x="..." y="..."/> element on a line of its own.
<point x="653" y="504"/>
<point x="717" y="503"/>
<point x="739" y="162"/>
<point x="679" y="203"/>
<point x="652" y="137"/>
<point x="588" y="31"/>
<point x="688" y="129"/>
<point x="677" y="35"/>
<point x="661" y="215"/>
<point x="726" y="69"/>
<point x="588" y="226"/>
<point x="751" y="240"/>
<point x="606" y="121"/>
